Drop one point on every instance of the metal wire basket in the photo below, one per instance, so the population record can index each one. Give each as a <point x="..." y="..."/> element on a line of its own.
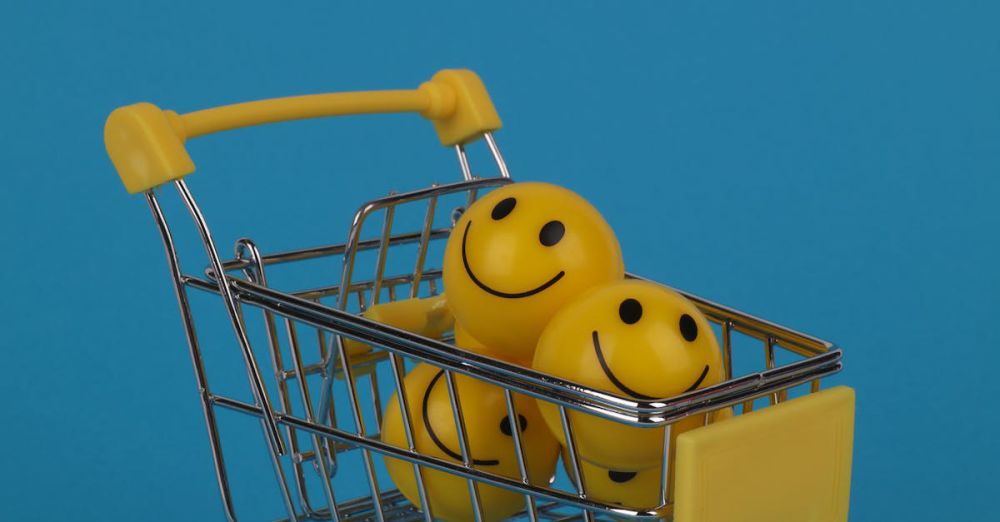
<point x="304" y="331"/>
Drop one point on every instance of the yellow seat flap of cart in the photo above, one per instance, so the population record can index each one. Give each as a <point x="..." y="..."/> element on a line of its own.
<point x="790" y="463"/>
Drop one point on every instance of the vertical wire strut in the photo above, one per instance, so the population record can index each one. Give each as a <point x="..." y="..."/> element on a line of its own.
<point x="221" y="476"/>
<point x="253" y="372"/>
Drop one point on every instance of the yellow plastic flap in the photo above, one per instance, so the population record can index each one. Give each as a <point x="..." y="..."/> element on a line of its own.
<point x="789" y="462"/>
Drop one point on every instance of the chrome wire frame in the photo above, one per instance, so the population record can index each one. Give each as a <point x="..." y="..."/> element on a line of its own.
<point x="317" y="421"/>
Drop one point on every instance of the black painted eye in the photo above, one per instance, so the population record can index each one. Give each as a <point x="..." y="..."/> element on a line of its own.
<point x="621" y="476"/>
<point x="551" y="233"/>
<point x="505" y="424"/>
<point x="503" y="208"/>
<point x="630" y="311"/>
<point x="689" y="328"/>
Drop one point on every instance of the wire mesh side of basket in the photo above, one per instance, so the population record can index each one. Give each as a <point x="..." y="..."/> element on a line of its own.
<point x="313" y="438"/>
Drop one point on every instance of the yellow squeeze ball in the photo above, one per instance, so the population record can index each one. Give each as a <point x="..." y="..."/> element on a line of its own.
<point x="490" y="437"/>
<point x="519" y="254"/>
<point x="635" y="489"/>
<point x="632" y="489"/>
<point x="635" y="339"/>
<point x="465" y="341"/>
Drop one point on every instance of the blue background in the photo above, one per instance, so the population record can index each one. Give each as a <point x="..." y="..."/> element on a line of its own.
<point x="832" y="166"/>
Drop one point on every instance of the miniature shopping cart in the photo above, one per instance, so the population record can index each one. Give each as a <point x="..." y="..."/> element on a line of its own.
<point x="788" y="460"/>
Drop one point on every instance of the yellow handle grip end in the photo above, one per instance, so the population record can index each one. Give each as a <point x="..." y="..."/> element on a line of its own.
<point x="470" y="114"/>
<point x="145" y="146"/>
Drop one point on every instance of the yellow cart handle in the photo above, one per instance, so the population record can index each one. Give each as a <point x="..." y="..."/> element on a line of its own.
<point x="146" y="144"/>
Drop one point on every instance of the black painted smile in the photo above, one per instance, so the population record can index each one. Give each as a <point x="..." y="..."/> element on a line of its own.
<point x="621" y="386"/>
<point x="434" y="437"/>
<point x="480" y="284"/>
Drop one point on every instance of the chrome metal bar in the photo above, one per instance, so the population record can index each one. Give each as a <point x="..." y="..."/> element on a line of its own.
<point x="360" y="424"/>
<point x="331" y="417"/>
<point x="756" y="327"/>
<point x="253" y="372"/>
<point x="359" y="509"/>
<point x="574" y="459"/>
<point x="362" y="361"/>
<point x="463" y="443"/>
<point x="359" y="287"/>
<point x="362" y="302"/>
<point x="447" y="466"/>
<point x="463" y="162"/>
<point x="337" y="348"/>
<point x="330" y="250"/>
<point x="376" y="396"/>
<point x="727" y="348"/>
<point x="279" y="473"/>
<point x="221" y="476"/>
<point x="522" y="467"/>
<point x="383" y="251"/>
<point x="525" y="380"/>
<point x="665" y="471"/>
<point x="425" y="237"/>
<point x="245" y="247"/>
<point x="769" y="362"/>
<point x="326" y="465"/>
<point x="495" y="150"/>
<point x="398" y="373"/>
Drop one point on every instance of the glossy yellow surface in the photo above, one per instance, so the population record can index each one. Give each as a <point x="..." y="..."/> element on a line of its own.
<point x="635" y="339"/>
<point x="466" y="342"/>
<point x="638" y="489"/>
<point x="632" y="489"/>
<point x="518" y="255"/>
<point x="146" y="144"/>
<point x="485" y="411"/>
<point x="144" y="147"/>
<point x="429" y="317"/>
<point x="791" y="461"/>
<point x="475" y="114"/>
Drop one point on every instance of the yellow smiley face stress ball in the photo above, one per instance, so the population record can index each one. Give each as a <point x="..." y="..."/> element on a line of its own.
<point x="634" y="489"/>
<point x="635" y="339"/>
<point x="518" y="255"/>
<point x="637" y="489"/>
<point x="490" y="437"/>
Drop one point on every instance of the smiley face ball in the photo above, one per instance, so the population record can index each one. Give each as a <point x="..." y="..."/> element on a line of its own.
<point x="519" y="254"/>
<point x="634" y="489"/>
<point x="635" y="339"/>
<point x="491" y="443"/>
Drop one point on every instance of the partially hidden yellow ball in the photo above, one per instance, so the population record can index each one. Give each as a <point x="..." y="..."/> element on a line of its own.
<point x="632" y="489"/>
<point x="490" y="437"/>
<point x="635" y="339"/>
<point x="520" y="253"/>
